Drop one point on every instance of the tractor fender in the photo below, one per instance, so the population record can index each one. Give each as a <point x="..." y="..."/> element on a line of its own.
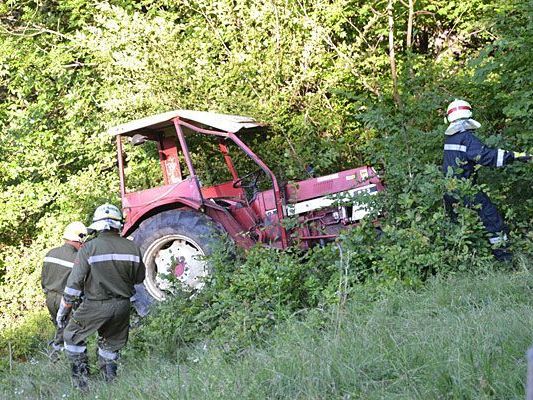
<point x="135" y="215"/>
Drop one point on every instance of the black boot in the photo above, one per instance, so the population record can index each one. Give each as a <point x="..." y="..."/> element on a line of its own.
<point x="80" y="371"/>
<point x="108" y="368"/>
<point x="110" y="371"/>
<point x="503" y="254"/>
<point x="55" y="351"/>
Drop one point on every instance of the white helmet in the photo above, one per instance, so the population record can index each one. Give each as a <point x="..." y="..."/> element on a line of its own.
<point x="458" y="109"/>
<point x="106" y="216"/>
<point x="75" y="231"/>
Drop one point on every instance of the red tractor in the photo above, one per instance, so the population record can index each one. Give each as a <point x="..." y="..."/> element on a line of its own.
<point x="178" y="216"/>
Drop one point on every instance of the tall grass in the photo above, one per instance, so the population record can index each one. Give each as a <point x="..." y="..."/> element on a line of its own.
<point x="458" y="338"/>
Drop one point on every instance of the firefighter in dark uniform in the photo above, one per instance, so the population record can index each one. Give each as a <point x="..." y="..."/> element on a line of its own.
<point x="462" y="152"/>
<point x="57" y="265"/>
<point x="105" y="272"/>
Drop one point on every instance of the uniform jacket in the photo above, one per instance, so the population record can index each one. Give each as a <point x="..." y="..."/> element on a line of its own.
<point x="57" y="266"/>
<point x="463" y="150"/>
<point x="106" y="267"/>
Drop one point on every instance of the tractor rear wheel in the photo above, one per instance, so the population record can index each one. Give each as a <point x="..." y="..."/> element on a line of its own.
<point x="175" y="243"/>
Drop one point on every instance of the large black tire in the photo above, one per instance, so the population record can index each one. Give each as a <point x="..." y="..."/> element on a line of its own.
<point x="175" y="242"/>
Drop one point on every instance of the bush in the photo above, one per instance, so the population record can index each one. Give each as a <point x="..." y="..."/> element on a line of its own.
<point x="247" y="296"/>
<point x="23" y="339"/>
<point x="243" y="299"/>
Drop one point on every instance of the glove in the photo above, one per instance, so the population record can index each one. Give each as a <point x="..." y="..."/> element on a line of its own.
<point x="522" y="156"/>
<point x="63" y="313"/>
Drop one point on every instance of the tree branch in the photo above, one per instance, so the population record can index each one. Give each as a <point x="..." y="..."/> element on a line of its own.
<point x="33" y="30"/>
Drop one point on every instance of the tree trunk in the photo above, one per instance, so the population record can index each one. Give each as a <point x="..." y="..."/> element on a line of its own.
<point x="392" y="56"/>
<point x="409" y="40"/>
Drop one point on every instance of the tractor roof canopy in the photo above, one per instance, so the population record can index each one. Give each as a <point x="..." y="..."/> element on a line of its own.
<point x="201" y="119"/>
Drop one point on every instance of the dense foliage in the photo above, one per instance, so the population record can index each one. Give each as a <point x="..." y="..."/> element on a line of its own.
<point x="318" y="72"/>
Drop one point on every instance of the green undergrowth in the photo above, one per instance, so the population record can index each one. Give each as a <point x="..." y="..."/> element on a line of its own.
<point x="23" y="339"/>
<point x="249" y="294"/>
<point x="458" y="337"/>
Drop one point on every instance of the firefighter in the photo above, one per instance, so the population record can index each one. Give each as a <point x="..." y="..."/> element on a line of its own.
<point x="462" y="152"/>
<point x="57" y="265"/>
<point x="105" y="272"/>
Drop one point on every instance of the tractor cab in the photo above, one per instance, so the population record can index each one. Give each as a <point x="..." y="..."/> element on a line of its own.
<point x="178" y="141"/>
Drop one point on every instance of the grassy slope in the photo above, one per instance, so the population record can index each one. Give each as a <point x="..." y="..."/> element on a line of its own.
<point x="460" y="338"/>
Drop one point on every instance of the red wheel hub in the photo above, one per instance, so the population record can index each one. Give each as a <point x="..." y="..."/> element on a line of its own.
<point x="179" y="269"/>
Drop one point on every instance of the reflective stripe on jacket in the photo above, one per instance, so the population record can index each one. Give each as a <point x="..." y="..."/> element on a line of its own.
<point x="463" y="150"/>
<point x="57" y="266"/>
<point x="106" y="267"/>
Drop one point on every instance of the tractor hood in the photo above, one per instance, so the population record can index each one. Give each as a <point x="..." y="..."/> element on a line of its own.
<point x="223" y="122"/>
